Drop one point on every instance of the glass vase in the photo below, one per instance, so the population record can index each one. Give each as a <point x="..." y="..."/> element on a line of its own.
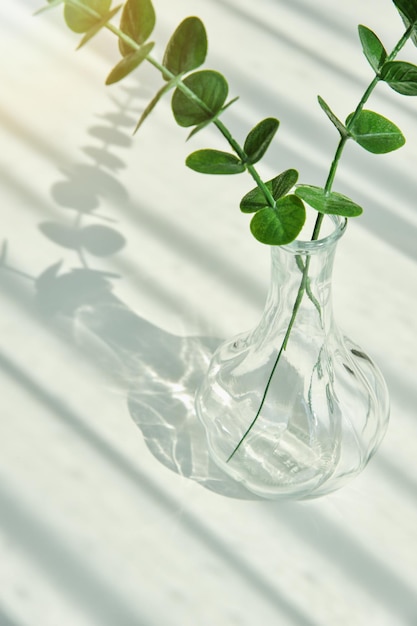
<point x="293" y="408"/>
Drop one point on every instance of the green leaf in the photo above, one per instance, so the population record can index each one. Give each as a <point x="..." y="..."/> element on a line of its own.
<point x="408" y="11"/>
<point x="259" y="138"/>
<point x="372" y="48"/>
<point x="187" y="48"/>
<point x="129" y="63"/>
<point x="401" y="76"/>
<point x="332" y="117"/>
<point x="214" y="162"/>
<point x="332" y="203"/>
<point x="374" y="132"/>
<point x="98" y="26"/>
<point x="152" y="104"/>
<point x="281" y="225"/>
<point x="81" y="21"/>
<point x="278" y="186"/>
<point x="282" y="183"/>
<point x="211" y="119"/>
<point x="210" y="89"/>
<point x="137" y="21"/>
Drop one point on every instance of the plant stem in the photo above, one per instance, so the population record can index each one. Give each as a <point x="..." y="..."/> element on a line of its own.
<point x="242" y="155"/>
<point x="282" y="348"/>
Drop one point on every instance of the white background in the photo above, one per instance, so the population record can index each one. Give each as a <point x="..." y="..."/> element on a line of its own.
<point x="111" y="514"/>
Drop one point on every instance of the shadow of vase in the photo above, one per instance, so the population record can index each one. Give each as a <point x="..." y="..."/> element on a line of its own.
<point x="158" y="370"/>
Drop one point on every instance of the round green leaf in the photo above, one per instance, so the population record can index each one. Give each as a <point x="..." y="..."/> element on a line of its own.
<point x="279" y="226"/>
<point x="374" y="132"/>
<point x="332" y="203"/>
<point x="401" y="76"/>
<point x="278" y="186"/>
<point x="187" y="48"/>
<point x="80" y="21"/>
<point x="129" y="63"/>
<point x="210" y="90"/>
<point x="259" y="138"/>
<point x="372" y="48"/>
<point x="214" y="162"/>
<point x="137" y="21"/>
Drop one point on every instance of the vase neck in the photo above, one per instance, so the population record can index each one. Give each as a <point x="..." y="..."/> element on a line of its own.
<point x="302" y="271"/>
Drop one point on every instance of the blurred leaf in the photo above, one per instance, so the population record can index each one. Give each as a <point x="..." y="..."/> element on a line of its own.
<point x="51" y="5"/>
<point x="98" y="26"/>
<point x="332" y="203"/>
<point x="187" y="48"/>
<point x="210" y="87"/>
<point x="129" y="63"/>
<point x="408" y="11"/>
<point x="214" y="162"/>
<point x="81" y="21"/>
<point x="401" y="76"/>
<point x="332" y="117"/>
<point x="152" y="104"/>
<point x="281" y="225"/>
<point x="372" y="48"/>
<point x="101" y="240"/>
<point x="137" y="21"/>
<point x="278" y="186"/>
<point x="259" y="138"/>
<point x="374" y="132"/>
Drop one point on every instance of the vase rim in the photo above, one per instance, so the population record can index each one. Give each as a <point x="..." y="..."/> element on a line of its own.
<point x="311" y="245"/>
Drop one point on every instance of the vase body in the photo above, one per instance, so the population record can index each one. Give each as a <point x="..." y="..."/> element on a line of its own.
<point x="293" y="408"/>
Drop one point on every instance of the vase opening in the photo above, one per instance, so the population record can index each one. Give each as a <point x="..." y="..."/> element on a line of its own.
<point x="332" y="229"/>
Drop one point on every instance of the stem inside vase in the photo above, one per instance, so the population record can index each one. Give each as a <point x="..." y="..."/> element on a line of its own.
<point x="339" y="226"/>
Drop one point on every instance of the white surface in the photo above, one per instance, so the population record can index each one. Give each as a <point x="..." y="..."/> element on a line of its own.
<point x="110" y="512"/>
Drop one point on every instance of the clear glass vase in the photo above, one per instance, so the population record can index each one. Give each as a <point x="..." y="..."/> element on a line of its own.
<point x="293" y="408"/>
